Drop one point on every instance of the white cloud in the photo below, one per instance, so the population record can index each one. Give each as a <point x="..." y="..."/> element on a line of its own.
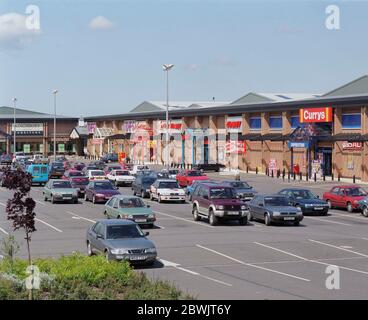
<point x="100" y="23"/>
<point x="14" y="32"/>
<point x="192" y="67"/>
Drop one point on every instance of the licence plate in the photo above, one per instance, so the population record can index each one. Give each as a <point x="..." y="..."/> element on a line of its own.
<point x="232" y="213"/>
<point x="318" y="208"/>
<point x="140" y="220"/>
<point x="136" y="257"/>
<point x="289" y="218"/>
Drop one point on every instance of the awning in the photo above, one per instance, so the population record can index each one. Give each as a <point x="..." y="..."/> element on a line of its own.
<point x="251" y="137"/>
<point x="350" y="137"/>
<point x="102" y="133"/>
<point x="272" y="137"/>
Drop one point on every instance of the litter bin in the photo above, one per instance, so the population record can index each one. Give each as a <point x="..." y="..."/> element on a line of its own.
<point x="296" y="169"/>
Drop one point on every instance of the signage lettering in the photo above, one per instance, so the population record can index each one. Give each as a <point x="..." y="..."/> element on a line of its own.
<point x="316" y="115"/>
<point x="352" y="146"/>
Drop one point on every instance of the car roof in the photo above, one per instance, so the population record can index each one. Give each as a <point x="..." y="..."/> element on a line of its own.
<point x="166" y="180"/>
<point x="52" y="180"/>
<point x="345" y="187"/>
<point x="295" y="189"/>
<point x="116" y="222"/>
<point x="104" y="180"/>
<point x="211" y="185"/>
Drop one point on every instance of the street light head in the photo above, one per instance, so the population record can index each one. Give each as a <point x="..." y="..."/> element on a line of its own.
<point x="55" y="91"/>
<point x="14" y="99"/>
<point x="167" y="67"/>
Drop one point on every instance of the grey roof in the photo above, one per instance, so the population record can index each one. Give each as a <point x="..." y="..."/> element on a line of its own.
<point x="355" y="87"/>
<point x="254" y="97"/>
<point x="8" y="113"/>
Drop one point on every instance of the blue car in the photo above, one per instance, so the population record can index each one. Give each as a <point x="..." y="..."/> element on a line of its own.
<point x="363" y="206"/>
<point x="39" y="172"/>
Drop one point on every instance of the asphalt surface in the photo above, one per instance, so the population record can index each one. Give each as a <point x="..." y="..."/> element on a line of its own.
<point x="227" y="261"/>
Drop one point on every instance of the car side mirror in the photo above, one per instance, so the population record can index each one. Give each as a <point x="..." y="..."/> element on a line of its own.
<point x="146" y="234"/>
<point x="261" y="204"/>
<point x="99" y="236"/>
<point x="317" y="197"/>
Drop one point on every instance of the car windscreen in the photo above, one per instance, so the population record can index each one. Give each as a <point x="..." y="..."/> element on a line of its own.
<point x="276" y="201"/>
<point x="124" y="231"/>
<point x="131" y="203"/>
<point x="173" y="171"/>
<point x="80" y="180"/>
<point x="148" y="180"/>
<point x="105" y="185"/>
<point x="75" y="174"/>
<point x="168" y="185"/>
<point x="303" y="194"/>
<point x="122" y="173"/>
<point x="194" y="173"/>
<point x="222" y="193"/>
<point x="97" y="173"/>
<point x="57" y="165"/>
<point x="61" y="184"/>
<point x="240" y="185"/>
<point x="355" y="192"/>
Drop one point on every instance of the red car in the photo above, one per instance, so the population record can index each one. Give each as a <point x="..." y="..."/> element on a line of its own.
<point x="345" y="197"/>
<point x="68" y="174"/>
<point x="186" y="177"/>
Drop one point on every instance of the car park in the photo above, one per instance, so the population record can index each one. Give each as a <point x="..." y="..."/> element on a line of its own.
<point x="120" y="239"/>
<point x="56" y="170"/>
<point x="209" y="167"/>
<point x="120" y="177"/>
<point x="80" y="183"/>
<point x="142" y="184"/>
<point x="218" y="203"/>
<point x="274" y="208"/>
<point x="57" y="190"/>
<point x="96" y="175"/>
<point x="131" y="208"/>
<point x="39" y="172"/>
<point x="308" y="202"/>
<point x="186" y="177"/>
<point x="99" y="191"/>
<point x="166" y="190"/>
<point x="242" y="189"/>
<point x="346" y="197"/>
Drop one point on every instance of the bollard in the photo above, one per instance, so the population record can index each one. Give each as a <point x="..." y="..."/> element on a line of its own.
<point x="315" y="177"/>
<point x="283" y="172"/>
<point x="271" y="173"/>
<point x="283" y="176"/>
<point x="247" y="169"/>
<point x="338" y="177"/>
<point x="289" y="176"/>
<point x="300" y="176"/>
<point x="332" y="177"/>
<point x="307" y="177"/>
<point x="256" y="170"/>
<point x="354" y="178"/>
<point x="278" y="173"/>
<point x="324" y="177"/>
<point x="294" y="176"/>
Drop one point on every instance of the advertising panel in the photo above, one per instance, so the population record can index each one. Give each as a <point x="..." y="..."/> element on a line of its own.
<point x="314" y="115"/>
<point x="234" y="124"/>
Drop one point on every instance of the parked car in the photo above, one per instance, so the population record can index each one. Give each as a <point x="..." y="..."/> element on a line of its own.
<point x="347" y="197"/>
<point x="100" y="191"/>
<point x="96" y="175"/>
<point x="110" y="157"/>
<point x="39" y="158"/>
<point x="39" y="172"/>
<point x="137" y="167"/>
<point x="67" y="165"/>
<point x="120" y="239"/>
<point x="166" y="190"/>
<point x="209" y="166"/>
<point x="79" y="166"/>
<point x="274" y="208"/>
<point x="72" y="173"/>
<point x="6" y="159"/>
<point x="186" y="177"/>
<point x="99" y="164"/>
<point x="80" y="183"/>
<point x="363" y="206"/>
<point x="120" y="177"/>
<point x="218" y="203"/>
<point x="170" y="173"/>
<point x="149" y="172"/>
<point x="88" y="168"/>
<point x="109" y="167"/>
<point x="242" y="189"/>
<point x="56" y="170"/>
<point x="142" y="185"/>
<point x="60" y="159"/>
<point x="18" y="155"/>
<point x="131" y="208"/>
<point x="306" y="200"/>
<point x="60" y="191"/>
<point x="190" y="189"/>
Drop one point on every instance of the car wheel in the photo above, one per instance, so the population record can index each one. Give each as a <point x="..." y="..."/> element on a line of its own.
<point x="365" y="212"/>
<point x="329" y="204"/>
<point x="196" y="216"/>
<point x="267" y="219"/>
<point x="94" y="200"/>
<point x="142" y="193"/>
<point x="107" y="256"/>
<point x="52" y="199"/>
<point x="349" y="207"/>
<point x="106" y="215"/>
<point x="296" y="223"/>
<point x="250" y="217"/>
<point x="85" y="197"/>
<point x="212" y="219"/>
<point x="44" y="197"/>
<point x="159" y="199"/>
<point x="243" y="221"/>
<point x="89" y="249"/>
<point x="134" y="193"/>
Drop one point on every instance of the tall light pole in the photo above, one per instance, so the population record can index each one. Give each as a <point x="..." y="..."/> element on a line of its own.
<point x="167" y="68"/>
<point x="55" y="93"/>
<point x="14" y="129"/>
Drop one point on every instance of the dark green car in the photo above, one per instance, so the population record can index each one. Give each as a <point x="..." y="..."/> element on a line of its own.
<point x="130" y="208"/>
<point x="60" y="191"/>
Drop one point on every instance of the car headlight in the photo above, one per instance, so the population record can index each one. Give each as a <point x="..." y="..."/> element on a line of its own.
<point x="151" y="250"/>
<point x="151" y="216"/>
<point x="298" y="209"/>
<point x="243" y="207"/>
<point x="356" y="201"/>
<point x="220" y="207"/>
<point x="100" y="195"/>
<point x="127" y="216"/>
<point x="119" y="251"/>
<point x="57" y="194"/>
<point x="276" y="213"/>
<point x="309" y="205"/>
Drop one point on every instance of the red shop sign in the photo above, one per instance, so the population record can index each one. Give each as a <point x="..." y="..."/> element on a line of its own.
<point x="238" y="147"/>
<point x="315" y="115"/>
<point x="352" y="146"/>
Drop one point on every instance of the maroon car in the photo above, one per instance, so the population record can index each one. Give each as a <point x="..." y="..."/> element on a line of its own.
<point x="79" y="166"/>
<point x="217" y="203"/>
<point x="80" y="183"/>
<point x="99" y="191"/>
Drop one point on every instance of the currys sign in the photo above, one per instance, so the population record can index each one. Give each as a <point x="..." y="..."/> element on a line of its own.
<point x="316" y="115"/>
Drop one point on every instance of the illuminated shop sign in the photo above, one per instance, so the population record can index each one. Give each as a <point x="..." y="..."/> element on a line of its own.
<point x="352" y="146"/>
<point x="316" y="115"/>
<point x="175" y="126"/>
<point x="234" y="124"/>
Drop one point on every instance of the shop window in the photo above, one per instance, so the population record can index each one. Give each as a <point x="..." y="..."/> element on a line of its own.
<point x="255" y="123"/>
<point x="275" y="123"/>
<point x="295" y="122"/>
<point x="351" y="121"/>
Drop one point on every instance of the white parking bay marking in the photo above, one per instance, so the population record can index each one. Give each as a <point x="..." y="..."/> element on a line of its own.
<point x="183" y="219"/>
<point x="328" y="221"/>
<point x="2" y="204"/>
<point x="252" y="265"/>
<point x="80" y="217"/>
<point x="334" y="213"/>
<point x="49" y="225"/>
<point x="310" y="260"/>
<point x="2" y="230"/>
<point x="340" y="248"/>
<point x="40" y="202"/>
<point x="178" y="267"/>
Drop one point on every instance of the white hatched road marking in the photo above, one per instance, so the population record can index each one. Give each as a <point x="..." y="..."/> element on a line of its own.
<point x="310" y="260"/>
<point x="40" y="202"/>
<point x="183" y="219"/>
<point x="252" y="265"/>
<point x="2" y="230"/>
<point x="340" y="248"/>
<point x="80" y="217"/>
<point x="349" y="216"/>
<point x="49" y="225"/>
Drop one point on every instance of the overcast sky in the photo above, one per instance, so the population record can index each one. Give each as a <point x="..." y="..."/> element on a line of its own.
<point x="106" y="56"/>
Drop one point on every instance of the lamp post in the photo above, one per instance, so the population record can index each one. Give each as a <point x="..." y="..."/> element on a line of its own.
<point x="167" y="68"/>
<point x="14" y="129"/>
<point x="55" y="92"/>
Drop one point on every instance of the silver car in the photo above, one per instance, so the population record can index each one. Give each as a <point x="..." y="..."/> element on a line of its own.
<point x="120" y="239"/>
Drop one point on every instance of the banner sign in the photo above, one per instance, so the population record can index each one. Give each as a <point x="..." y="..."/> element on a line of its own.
<point x="272" y="167"/>
<point x="28" y="129"/>
<point x="298" y="144"/>
<point x="238" y="147"/>
<point x="91" y="126"/>
<point x="352" y="146"/>
<point x="234" y="124"/>
<point x="129" y="126"/>
<point x="175" y="126"/>
<point x="97" y="141"/>
<point x="316" y="115"/>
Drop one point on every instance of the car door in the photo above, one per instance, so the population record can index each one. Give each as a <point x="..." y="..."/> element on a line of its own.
<point x="333" y="196"/>
<point x="342" y="198"/>
<point x="93" y="235"/>
<point x="89" y="191"/>
<point x="46" y="190"/>
<point x="100" y="237"/>
<point x="109" y="207"/>
<point x="154" y="188"/>
<point x="258" y="208"/>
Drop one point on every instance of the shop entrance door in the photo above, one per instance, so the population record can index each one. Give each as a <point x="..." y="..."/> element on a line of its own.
<point x="205" y="150"/>
<point x="327" y="161"/>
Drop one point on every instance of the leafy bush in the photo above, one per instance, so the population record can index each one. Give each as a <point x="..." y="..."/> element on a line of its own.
<point x="81" y="277"/>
